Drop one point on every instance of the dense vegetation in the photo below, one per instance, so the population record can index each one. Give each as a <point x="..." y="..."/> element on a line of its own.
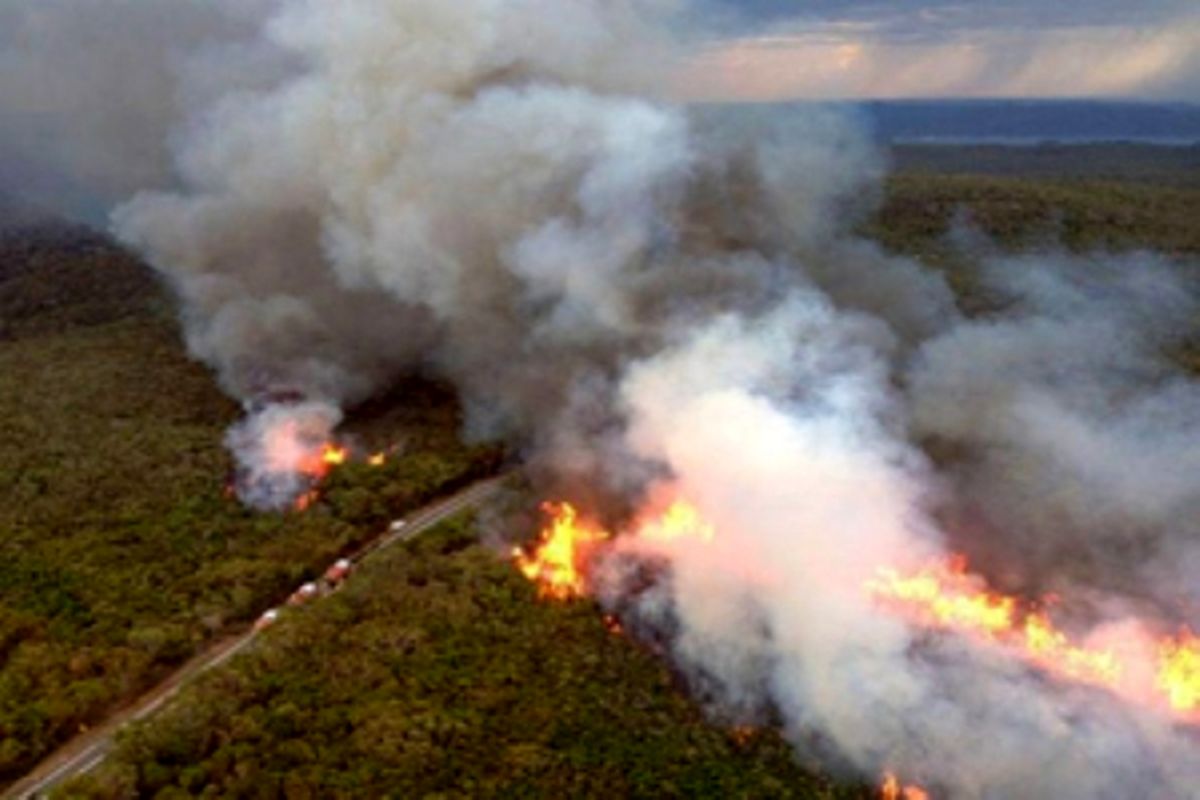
<point x="920" y="209"/>
<point x="436" y="671"/>
<point x="947" y="206"/>
<point x="120" y="553"/>
<point x="1111" y="162"/>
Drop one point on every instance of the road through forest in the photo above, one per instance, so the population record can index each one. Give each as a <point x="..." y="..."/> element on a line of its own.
<point x="87" y="750"/>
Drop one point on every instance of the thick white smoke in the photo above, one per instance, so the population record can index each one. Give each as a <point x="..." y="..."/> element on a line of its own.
<point x="637" y="294"/>
<point x="280" y="451"/>
<point x="783" y="430"/>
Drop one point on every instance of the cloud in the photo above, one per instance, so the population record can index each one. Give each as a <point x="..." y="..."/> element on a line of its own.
<point x="851" y="58"/>
<point x="906" y="18"/>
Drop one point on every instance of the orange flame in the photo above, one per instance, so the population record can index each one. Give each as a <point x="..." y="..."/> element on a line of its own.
<point x="307" y="499"/>
<point x="317" y="463"/>
<point x="560" y="560"/>
<point x="891" y="789"/>
<point x="559" y="563"/>
<point x="316" y="466"/>
<point x="681" y="520"/>
<point x="334" y="456"/>
<point x="944" y="596"/>
<point x="1050" y="647"/>
<point x="949" y="597"/>
<point x="1179" y="672"/>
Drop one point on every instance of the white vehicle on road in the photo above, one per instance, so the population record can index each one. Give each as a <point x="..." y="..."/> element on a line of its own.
<point x="302" y="595"/>
<point x="397" y="525"/>
<point x="267" y="619"/>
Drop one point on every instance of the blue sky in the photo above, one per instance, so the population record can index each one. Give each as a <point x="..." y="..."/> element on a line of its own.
<point x="773" y="49"/>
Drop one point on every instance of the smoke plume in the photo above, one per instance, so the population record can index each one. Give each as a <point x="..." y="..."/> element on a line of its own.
<point x="646" y="297"/>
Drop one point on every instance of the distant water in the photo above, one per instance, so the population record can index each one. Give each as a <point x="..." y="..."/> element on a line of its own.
<point x="1024" y="123"/>
<point x="1043" y="141"/>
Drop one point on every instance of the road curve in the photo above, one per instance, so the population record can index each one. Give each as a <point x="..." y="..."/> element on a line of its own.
<point x="86" y="751"/>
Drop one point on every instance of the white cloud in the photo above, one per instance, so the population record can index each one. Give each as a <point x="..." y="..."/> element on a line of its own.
<point x="851" y="60"/>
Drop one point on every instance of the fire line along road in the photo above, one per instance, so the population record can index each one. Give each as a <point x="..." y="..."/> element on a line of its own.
<point x="86" y="751"/>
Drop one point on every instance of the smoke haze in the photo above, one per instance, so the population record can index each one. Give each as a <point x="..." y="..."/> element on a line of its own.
<point x="640" y="297"/>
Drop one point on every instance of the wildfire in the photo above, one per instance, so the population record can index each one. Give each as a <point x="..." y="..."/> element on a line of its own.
<point x="943" y="596"/>
<point x="318" y="462"/>
<point x="892" y="789"/>
<point x="559" y="562"/>
<point x="947" y="596"/>
<point x="1179" y="672"/>
<point x="681" y="520"/>
<point x="317" y="465"/>
<point x="1050" y="647"/>
<point x="331" y="455"/>
<point x="307" y="499"/>
<point x="950" y="597"/>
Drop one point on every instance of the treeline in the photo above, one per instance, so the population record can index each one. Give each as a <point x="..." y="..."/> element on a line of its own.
<point x="1113" y="161"/>
<point x="919" y="209"/>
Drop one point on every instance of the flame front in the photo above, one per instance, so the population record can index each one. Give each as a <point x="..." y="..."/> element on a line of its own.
<point x="1179" y="672"/>
<point x="944" y="596"/>
<point x="947" y="596"/>
<point x="1050" y="647"/>
<point x="559" y="563"/>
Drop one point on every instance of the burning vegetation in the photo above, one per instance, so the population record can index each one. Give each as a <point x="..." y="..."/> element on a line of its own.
<point x="893" y="789"/>
<point x="947" y="596"/>
<point x="558" y="562"/>
<point x="1162" y="673"/>
<point x="287" y="450"/>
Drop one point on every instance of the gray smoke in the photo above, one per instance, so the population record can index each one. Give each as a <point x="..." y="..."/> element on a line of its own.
<point x="91" y="90"/>
<point x="1075" y="434"/>
<point x="647" y="299"/>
